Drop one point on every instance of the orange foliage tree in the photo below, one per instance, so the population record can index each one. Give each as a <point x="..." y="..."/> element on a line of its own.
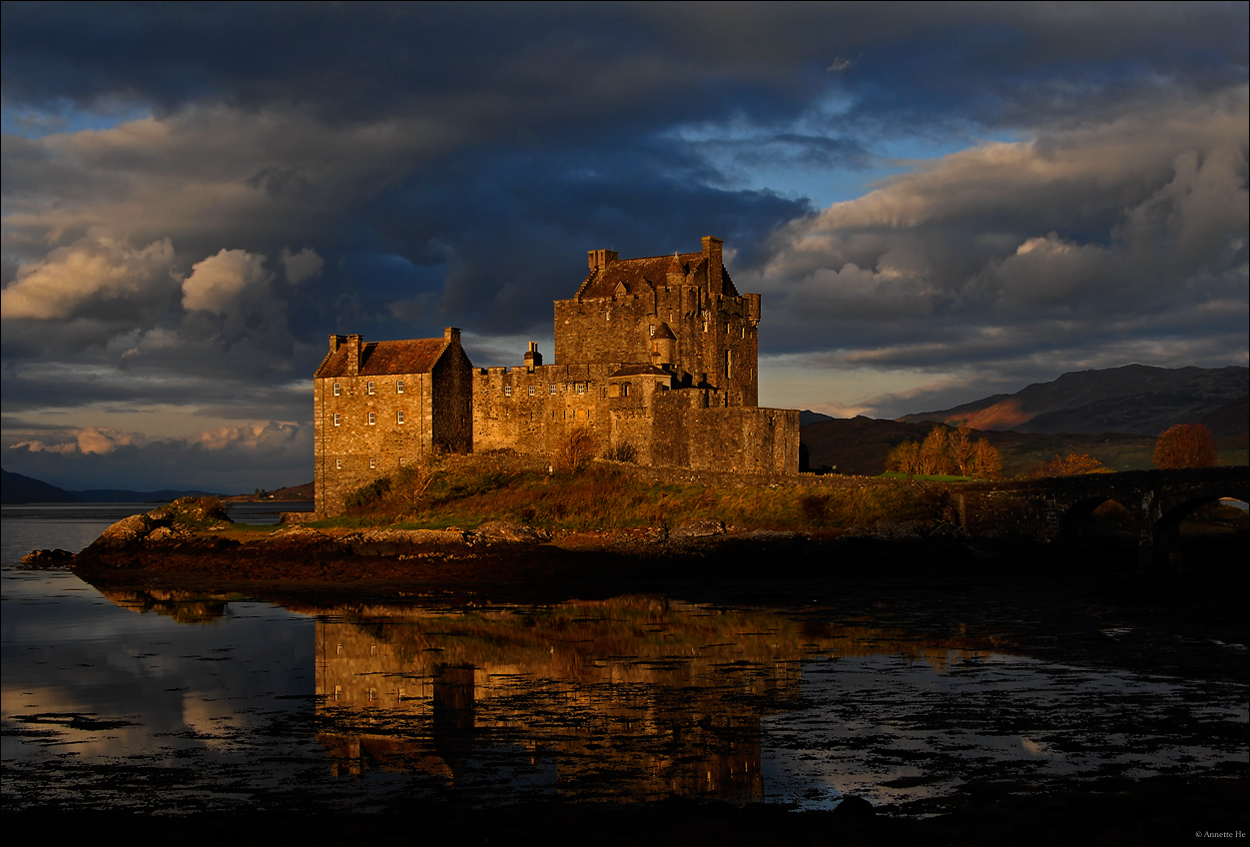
<point x="1185" y="446"/>
<point x="946" y="453"/>
<point x="1070" y="465"/>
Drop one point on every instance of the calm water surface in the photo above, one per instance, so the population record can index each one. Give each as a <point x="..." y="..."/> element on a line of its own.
<point x="172" y="704"/>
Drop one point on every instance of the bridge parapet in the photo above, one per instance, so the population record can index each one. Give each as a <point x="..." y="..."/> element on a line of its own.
<point x="1040" y="509"/>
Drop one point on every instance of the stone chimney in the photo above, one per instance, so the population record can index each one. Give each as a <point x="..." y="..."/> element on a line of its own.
<point x="452" y="335"/>
<point x="600" y="259"/>
<point x="533" y="359"/>
<point x="712" y="248"/>
<point x="337" y="341"/>
<point x="354" y="344"/>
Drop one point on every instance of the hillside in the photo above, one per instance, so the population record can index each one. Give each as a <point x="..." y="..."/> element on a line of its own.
<point x="1135" y="399"/>
<point x="860" y="446"/>
<point x="18" y="488"/>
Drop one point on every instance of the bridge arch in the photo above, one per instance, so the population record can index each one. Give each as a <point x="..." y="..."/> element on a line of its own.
<point x="1098" y="516"/>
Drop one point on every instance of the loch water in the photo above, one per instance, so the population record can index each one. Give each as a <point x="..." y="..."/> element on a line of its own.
<point x="169" y="704"/>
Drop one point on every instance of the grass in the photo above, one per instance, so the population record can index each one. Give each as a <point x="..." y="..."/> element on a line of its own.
<point x="604" y="496"/>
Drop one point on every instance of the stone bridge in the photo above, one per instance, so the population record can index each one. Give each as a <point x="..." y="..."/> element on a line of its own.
<point x="1054" y="508"/>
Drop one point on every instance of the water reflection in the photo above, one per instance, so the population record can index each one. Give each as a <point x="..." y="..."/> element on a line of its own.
<point x="636" y="697"/>
<point x="221" y="702"/>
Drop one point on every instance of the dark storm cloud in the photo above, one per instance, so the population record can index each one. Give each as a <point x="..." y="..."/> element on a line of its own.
<point x="289" y="170"/>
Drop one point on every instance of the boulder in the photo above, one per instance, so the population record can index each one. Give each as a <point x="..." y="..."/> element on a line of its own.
<point x="705" y="528"/>
<point x="511" y="533"/>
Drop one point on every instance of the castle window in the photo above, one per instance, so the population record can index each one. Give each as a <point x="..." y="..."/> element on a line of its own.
<point x="553" y="388"/>
<point x="373" y="418"/>
<point x="373" y="463"/>
<point x="581" y="388"/>
<point x="338" y="464"/>
<point x="338" y="419"/>
<point x="337" y="389"/>
<point x="507" y="391"/>
<point x="531" y="391"/>
<point x="652" y="330"/>
<point x="399" y="417"/>
<point x="399" y="386"/>
<point x="371" y="388"/>
<point x="624" y="389"/>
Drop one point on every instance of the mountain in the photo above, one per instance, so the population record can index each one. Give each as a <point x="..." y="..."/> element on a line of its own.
<point x="17" y="488"/>
<point x="1135" y="400"/>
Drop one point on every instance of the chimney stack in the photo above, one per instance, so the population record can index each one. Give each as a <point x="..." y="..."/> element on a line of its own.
<point x="353" y="355"/>
<point x="712" y="248"/>
<point x="600" y="259"/>
<point x="533" y="359"/>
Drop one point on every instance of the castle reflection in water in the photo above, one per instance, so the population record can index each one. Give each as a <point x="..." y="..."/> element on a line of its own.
<point x="637" y="696"/>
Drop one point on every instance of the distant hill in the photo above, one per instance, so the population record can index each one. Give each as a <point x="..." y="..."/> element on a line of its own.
<point x="121" y="495"/>
<point x="1134" y="400"/>
<point x="307" y="491"/>
<point x="25" y="489"/>
<point x="807" y="416"/>
<point x="18" y="488"/>
<point x="860" y="446"/>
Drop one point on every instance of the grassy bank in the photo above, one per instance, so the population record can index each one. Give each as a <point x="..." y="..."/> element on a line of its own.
<point x="468" y="491"/>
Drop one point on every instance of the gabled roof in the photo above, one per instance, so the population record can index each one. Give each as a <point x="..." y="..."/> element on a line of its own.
<point x="379" y="358"/>
<point x="640" y="276"/>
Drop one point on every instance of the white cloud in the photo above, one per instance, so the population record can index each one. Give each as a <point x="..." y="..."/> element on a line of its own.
<point x="219" y="281"/>
<point x="91" y="269"/>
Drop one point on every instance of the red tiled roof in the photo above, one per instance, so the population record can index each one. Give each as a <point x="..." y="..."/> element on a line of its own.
<point x="378" y="358"/>
<point x="638" y="275"/>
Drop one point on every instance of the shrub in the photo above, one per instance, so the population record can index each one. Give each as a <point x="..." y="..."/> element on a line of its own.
<point x="623" y="452"/>
<point x="576" y="450"/>
<point x="1072" y="464"/>
<point x="369" y="495"/>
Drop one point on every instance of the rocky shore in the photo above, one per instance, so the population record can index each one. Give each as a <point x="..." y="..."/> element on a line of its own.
<point x="181" y="544"/>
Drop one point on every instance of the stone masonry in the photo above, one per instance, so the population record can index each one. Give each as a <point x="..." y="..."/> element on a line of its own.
<point x="655" y="359"/>
<point x="384" y="404"/>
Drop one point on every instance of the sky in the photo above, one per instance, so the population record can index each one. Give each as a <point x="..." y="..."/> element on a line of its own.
<point x="937" y="202"/>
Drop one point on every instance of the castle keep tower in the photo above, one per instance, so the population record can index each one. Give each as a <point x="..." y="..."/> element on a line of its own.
<point x="683" y="308"/>
<point x="656" y="358"/>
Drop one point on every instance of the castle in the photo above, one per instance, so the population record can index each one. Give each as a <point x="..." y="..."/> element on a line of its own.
<point x="655" y="358"/>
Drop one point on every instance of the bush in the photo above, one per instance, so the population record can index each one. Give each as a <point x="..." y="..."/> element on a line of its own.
<point x="623" y="452"/>
<point x="369" y="495"/>
<point x="1072" y="464"/>
<point x="576" y="450"/>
